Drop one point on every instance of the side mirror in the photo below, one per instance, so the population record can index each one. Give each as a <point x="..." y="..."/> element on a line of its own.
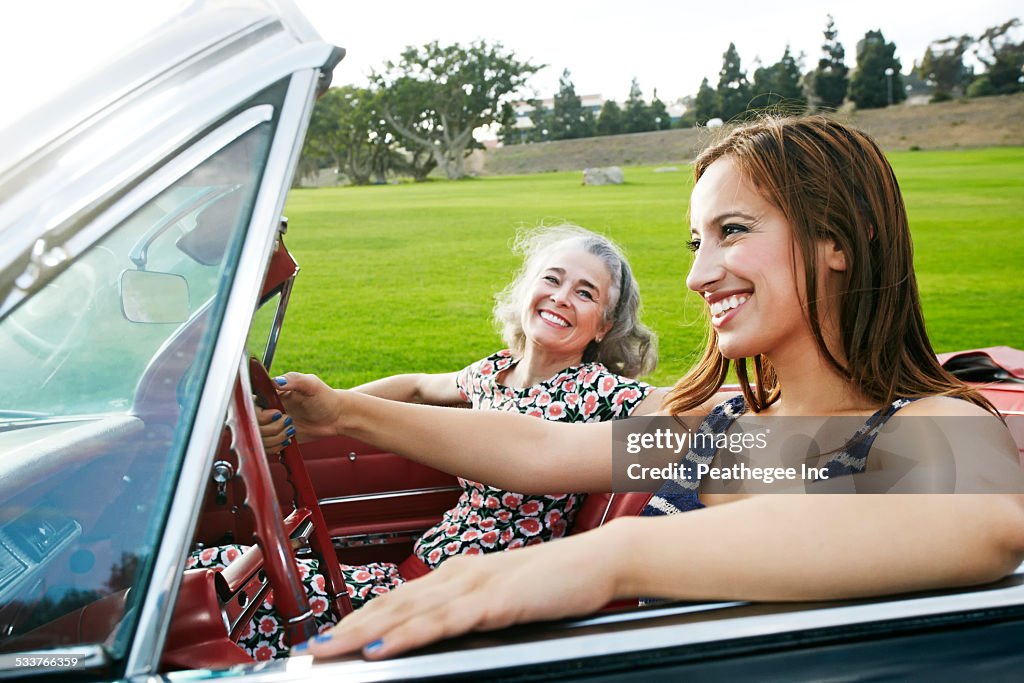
<point x="151" y="297"/>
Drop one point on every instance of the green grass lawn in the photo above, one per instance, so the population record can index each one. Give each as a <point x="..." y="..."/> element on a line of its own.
<point x="401" y="278"/>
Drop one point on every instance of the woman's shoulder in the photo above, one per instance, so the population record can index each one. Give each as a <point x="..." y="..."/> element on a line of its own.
<point x="942" y="406"/>
<point x="493" y="364"/>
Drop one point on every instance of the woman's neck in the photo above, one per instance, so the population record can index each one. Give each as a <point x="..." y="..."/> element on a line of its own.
<point x="812" y="386"/>
<point x="535" y="367"/>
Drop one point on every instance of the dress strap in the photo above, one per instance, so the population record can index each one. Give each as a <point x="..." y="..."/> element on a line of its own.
<point x="853" y="458"/>
<point x="680" y="495"/>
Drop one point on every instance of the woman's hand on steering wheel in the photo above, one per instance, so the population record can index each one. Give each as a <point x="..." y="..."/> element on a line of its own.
<point x="309" y="403"/>
<point x="276" y="429"/>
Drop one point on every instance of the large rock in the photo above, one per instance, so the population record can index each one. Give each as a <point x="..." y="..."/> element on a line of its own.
<point x="609" y="175"/>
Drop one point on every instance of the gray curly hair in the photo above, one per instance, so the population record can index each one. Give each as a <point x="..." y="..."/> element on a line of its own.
<point x="629" y="349"/>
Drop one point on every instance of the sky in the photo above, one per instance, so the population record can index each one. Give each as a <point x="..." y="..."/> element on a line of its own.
<point x="669" y="45"/>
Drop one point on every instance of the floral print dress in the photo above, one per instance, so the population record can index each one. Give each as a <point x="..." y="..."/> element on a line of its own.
<point x="485" y="519"/>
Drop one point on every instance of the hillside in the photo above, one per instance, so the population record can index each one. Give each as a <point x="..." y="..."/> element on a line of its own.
<point x="982" y="122"/>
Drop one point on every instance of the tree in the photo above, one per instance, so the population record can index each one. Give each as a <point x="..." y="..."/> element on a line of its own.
<point x="831" y="78"/>
<point x="1003" y="59"/>
<point x="733" y="88"/>
<point x="347" y="130"/>
<point x="659" y="113"/>
<point x="435" y="97"/>
<point x="876" y="82"/>
<point x="943" y="65"/>
<point x="569" y="119"/>
<point x="636" y="117"/>
<point x="705" y="104"/>
<point x="779" y="86"/>
<point x="609" y="120"/>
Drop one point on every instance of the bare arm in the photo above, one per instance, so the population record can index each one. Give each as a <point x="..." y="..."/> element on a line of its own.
<point x="779" y="548"/>
<point x="431" y="389"/>
<point x="651" y="405"/>
<point x="508" y="450"/>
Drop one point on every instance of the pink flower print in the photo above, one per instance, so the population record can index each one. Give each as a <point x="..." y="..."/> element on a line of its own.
<point x="435" y="556"/>
<point x="208" y="555"/>
<point x="503" y="515"/>
<point x="556" y="411"/>
<point x="487" y="369"/>
<point x="572" y="399"/>
<point x="470" y="535"/>
<point x="451" y="548"/>
<point x="318" y="605"/>
<point x="362" y="576"/>
<point x="268" y="625"/>
<point x="530" y="507"/>
<point x="535" y="412"/>
<point x="264" y="652"/>
<point x="589" y="404"/>
<point x="624" y="395"/>
<point x="529" y="527"/>
<point x="489" y="539"/>
<point x="512" y="500"/>
<point x="230" y="555"/>
<point x="319" y="584"/>
<point x="487" y="524"/>
<point x="543" y="399"/>
<point x="607" y="384"/>
<point x="492" y="502"/>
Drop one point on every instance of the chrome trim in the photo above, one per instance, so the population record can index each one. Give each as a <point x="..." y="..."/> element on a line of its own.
<point x="553" y="646"/>
<point x="157" y="607"/>
<point x="275" y="328"/>
<point x="607" y="509"/>
<point x="376" y="539"/>
<point x="388" y="495"/>
<point x="308" y="614"/>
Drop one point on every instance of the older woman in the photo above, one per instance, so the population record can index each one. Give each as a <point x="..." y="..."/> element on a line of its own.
<point x="570" y="318"/>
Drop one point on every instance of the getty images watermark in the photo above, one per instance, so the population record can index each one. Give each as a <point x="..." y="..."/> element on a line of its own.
<point x="755" y="454"/>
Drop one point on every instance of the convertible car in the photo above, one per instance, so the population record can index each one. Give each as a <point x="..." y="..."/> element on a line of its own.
<point x="143" y="285"/>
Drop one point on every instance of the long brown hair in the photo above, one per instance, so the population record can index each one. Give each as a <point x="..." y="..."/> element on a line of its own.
<point x="832" y="182"/>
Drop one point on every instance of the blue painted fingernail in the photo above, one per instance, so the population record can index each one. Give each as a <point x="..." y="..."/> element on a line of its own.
<point x="374" y="646"/>
<point x="290" y="431"/>
<point x="323" y="637"/>
<point x="285" y="443"/>
<point x="276" y="417"/>
<point x="287" y="420"/>
<point x="301" y="647"/>
<point x="281" y="381"/>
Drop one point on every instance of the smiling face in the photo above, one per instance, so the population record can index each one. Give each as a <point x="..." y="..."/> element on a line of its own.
<point x="747" y="269"/>
<point x="565" y="308"/>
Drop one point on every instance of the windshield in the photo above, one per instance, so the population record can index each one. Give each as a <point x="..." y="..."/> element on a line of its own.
<point x="107" y="362"/>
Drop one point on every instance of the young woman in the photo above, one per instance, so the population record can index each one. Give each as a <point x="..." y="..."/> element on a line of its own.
<point x="571" y="320"/>
<point x="803" y="258"/>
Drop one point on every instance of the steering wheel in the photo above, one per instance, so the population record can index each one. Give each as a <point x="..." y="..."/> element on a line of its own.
<point x="307" y="512"/>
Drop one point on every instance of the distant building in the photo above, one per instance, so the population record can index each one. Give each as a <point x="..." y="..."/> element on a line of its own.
<point x="523" y="109"/>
